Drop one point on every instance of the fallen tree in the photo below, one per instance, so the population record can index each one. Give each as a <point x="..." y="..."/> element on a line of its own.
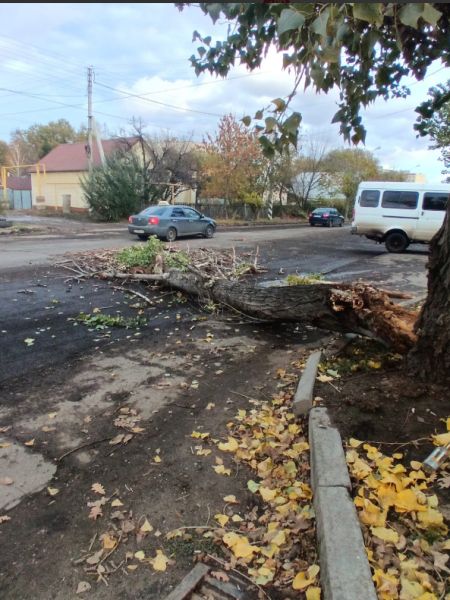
<point x="218" y="277"/>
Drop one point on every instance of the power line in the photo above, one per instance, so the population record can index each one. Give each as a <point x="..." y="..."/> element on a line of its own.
<point x="171" y="106"/>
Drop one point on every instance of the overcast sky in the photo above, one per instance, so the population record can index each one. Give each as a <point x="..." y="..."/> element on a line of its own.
<point x="144" y="49"/>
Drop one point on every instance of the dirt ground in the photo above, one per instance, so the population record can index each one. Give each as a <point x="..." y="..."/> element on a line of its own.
<point x="184" y="372"/>
<point x="385" y="405"/>
<point x="77" y="388"/>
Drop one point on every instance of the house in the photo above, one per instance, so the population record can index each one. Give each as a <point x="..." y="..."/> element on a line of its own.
<point x="56" y="182"/>
<point x="60" y="171"/>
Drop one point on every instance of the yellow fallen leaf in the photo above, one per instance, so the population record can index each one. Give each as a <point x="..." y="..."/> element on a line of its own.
<point x="371" y="514"/>
<point x="446" y="545"/>
<point x="385" y="534"/>
<point x="157" y="459"/>
<point x="304" y="579"/>
<point x="52" y="415"/>
<point x="313" y="593"/>
<point x="230" y="446"/>
<point x="52" y="491"/>
<point x="159" y="563"/>
<point x="198" y="435"/>
<point x="221" y="470"/>
<point x="430" y="517"/>
<point x="236" y="519"/>
<point x="146" y="527"/>
<point x="203" y="452"/>
<point x="140" y="555"/>
<point x="116" y="502"/>
<point x="132" y="567"/>
<point x="406" y="501"/>
<point x="210" y="405"/>
<point x="442" y="439"/>
<point x="243" y="549"/>
<point x="416" y="465"/>
<point x="222" y="519"/>
<point x="30" y="442"/>
<point x="231" y="499"/>
<point x="5" y="445"/>
<point x="448" y="423"/>
<point x="374" y="364"/>
<point x="267" y="494"/>
<point x="108" y="542"/>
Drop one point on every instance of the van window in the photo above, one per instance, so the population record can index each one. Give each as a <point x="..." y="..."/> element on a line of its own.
<point x="401" y="200"/>
<point x="369" y="198"/>
<point x="435" y="201"/>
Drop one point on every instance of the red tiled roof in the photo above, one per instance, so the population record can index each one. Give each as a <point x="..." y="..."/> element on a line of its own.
<point x="72" y="157"/>
<point x="14" y="182"/>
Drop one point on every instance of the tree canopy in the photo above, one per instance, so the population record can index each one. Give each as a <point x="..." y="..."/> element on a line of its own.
<point x="363" y="49"/>
<point x="434" y="121"/>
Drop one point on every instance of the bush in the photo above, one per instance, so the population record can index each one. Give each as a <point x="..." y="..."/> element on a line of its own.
<point x="145" y="255"/>
<point x="116" y="190"/>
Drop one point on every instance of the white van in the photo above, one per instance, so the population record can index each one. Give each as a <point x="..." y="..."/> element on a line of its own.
<point x="399" y="213"/>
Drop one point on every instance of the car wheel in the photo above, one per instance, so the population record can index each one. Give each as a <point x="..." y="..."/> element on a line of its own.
<point x="341" y="222"/>
<point x="396" y="242"/>
<point x="312" y="224"/>
<point x="143" y="236"/>
<point x="171" y="234"/>
<point x="209" y="231"/>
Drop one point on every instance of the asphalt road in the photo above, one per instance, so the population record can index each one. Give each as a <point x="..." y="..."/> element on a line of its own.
<point x="62" y="383"/>
<point x="36" y="301"/>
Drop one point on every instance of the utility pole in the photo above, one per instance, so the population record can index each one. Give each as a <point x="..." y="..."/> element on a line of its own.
<point x="89" y="148"/>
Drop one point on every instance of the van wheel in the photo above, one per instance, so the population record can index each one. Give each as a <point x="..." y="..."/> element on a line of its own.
<point x="396" y="242"/>
<point x="143" y="236"/>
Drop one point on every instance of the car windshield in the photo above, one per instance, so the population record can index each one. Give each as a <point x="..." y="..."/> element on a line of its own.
<point x="154" y="210"/>
<point x="320" y="211"/>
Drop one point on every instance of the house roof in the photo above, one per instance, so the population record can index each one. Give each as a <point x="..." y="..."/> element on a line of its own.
<point x="14" y="182"/>
<point x="72" y="157"/>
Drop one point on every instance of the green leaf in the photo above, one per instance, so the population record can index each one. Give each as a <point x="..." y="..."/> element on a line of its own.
<point x="246" y="120"/>
<point x="409" y="13"/>
<point x="292" y="123"/>
<point x="289" y="19"/>
<point x="319" y="25"/>
<point x="368" y="11"/>
<point x="253" y="486"/>
<point x="214" y="10"/>
<point x="430" y="14"/>
<point x="271" y="123"/>
<point x="279" y="103"/>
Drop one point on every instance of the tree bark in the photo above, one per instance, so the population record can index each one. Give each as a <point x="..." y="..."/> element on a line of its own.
<point x="356" y="308"/>
<point x="430" y="357"/>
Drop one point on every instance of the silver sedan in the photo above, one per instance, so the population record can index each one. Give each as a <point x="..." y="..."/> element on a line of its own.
<point x="170" y="222"/>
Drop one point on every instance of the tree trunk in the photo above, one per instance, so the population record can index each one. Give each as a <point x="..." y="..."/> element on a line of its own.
<point x="430" y="357"/>
<point x="356" y="308"/>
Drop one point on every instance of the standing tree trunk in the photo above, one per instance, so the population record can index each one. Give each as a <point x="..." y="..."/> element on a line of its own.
<point x="430" y="357"/>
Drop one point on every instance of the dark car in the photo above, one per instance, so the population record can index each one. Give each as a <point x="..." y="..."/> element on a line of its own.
<point x="327" y="217"/>
<point x="170" y="222"/>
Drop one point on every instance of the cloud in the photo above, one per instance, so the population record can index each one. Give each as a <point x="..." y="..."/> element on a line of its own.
<point x="144" y="49"/>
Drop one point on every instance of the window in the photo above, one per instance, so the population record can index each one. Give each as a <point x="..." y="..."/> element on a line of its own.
<point x="400" y="200"/>
<point x="191" y="213"/>
<point x="435" y="201"/>
<point x="369" y="198"/>
<point x="178" y="212"/>
<point x="154" y="210"/>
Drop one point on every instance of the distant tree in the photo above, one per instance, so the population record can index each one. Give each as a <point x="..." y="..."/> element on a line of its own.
<point x="308" y="169"/>
<point x="35" y="142"/>
<point x="347" y="168"/>
<point x="232" y="164"/>
<point x="4" y="154"/>
<point x="434" y="121"/>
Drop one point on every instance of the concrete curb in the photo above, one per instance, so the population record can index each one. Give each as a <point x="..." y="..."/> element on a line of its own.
<point x="344" y="568"/>
<point x="304" y="395"/>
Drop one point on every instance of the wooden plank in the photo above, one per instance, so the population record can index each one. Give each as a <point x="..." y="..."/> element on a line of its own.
<point x="189" y="582"/>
